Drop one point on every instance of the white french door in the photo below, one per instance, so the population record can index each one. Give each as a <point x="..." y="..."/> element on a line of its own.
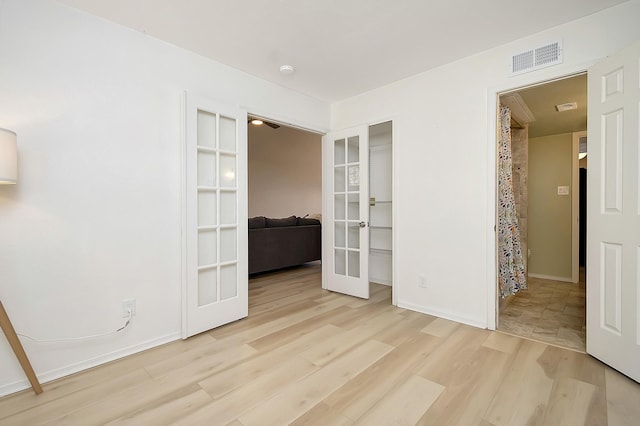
<point x="346" y="259"/>
<point x="613" y="212"/>
<point x="215" y="212"/>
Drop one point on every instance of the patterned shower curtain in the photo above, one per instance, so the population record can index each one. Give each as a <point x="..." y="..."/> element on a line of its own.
<point x="511" y="269"/>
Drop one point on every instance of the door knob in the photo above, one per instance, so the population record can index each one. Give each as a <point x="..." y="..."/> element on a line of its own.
<point x="363" y="224"/>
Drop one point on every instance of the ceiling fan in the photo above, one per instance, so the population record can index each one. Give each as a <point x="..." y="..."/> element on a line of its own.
<point x="259" y="122"/>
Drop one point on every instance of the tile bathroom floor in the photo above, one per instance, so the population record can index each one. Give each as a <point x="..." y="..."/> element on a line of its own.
<point x="548" y="311"/>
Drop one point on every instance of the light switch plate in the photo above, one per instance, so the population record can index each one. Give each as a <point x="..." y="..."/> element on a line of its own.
<point x="563" y="190"/>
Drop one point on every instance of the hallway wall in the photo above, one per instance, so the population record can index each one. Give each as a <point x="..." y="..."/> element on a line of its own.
<point x="550" y="162"/>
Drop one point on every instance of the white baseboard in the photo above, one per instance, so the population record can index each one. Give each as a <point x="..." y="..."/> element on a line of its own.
<point x="380" y="281"/>
<point x="57" y="373"/>
<point x="440" y="314"/>
<point x="551" y="277"/>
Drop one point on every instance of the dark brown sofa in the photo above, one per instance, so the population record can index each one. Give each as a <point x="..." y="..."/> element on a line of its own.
<point x="279" y="243"/>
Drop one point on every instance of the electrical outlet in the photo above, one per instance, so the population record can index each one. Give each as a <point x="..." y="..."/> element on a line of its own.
<point x="422" y="281"/>
<point x="128" y="304"/>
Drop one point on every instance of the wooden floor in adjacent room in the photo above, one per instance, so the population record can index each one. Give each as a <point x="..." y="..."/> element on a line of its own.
<point x="307" y="356"/>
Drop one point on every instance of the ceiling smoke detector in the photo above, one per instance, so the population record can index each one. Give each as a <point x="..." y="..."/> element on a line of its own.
<point x="567" y="107"/>
<point x="286" y="69"/>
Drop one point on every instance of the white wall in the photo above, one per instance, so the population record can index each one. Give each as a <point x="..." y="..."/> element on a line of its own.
<point x="285" y="172"/>
<point x="95" y="216"/>
<point x="445" y="147"/>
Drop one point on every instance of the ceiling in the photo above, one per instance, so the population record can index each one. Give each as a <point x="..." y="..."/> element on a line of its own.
<point x="542" y="100"/>
<point x="339" y="48"/>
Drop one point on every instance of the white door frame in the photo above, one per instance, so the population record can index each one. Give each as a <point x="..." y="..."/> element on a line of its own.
<point x="527" y="80"/>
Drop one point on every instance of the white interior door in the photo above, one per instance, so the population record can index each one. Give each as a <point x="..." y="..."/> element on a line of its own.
<point x="613" y="213"/>
<point x="215" y="216"/>
<point x="346" y="242"/>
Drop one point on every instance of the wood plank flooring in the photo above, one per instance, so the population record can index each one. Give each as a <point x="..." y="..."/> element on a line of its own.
<point x="306" y="356"/>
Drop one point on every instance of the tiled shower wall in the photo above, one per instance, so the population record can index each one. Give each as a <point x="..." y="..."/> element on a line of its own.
<point x="519" y="150"/>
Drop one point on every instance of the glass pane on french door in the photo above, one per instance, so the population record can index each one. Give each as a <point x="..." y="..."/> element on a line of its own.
<point x="217" y="220"/>
<point x="346" y="199"/>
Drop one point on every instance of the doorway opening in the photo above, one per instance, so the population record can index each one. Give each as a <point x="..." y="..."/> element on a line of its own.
<point x="381" y="203"/>
<point x="546" y="123"/>
<point x="285" y="189"/>
<point x="284" y="199"/>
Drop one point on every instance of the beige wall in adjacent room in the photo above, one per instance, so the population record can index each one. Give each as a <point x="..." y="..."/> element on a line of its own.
<point x="285" y="172"/>
<point x="550" y="213"/>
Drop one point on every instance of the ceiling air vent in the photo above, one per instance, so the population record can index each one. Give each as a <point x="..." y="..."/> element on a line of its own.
<point x="539" y="57"/>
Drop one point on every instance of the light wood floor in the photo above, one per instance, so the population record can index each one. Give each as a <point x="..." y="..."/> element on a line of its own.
<point x="307" y="356"/>
<point x="548" y="311"/>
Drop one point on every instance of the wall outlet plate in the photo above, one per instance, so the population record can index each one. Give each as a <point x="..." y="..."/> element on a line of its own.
<point x="126" y="305"/>
<point x="422" y="281"/>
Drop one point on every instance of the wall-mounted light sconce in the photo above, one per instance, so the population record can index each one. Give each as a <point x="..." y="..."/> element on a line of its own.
<point x="8" y="157"/>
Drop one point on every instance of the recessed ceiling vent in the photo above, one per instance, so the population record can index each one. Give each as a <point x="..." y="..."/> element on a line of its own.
<point x="539" y="57"/>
